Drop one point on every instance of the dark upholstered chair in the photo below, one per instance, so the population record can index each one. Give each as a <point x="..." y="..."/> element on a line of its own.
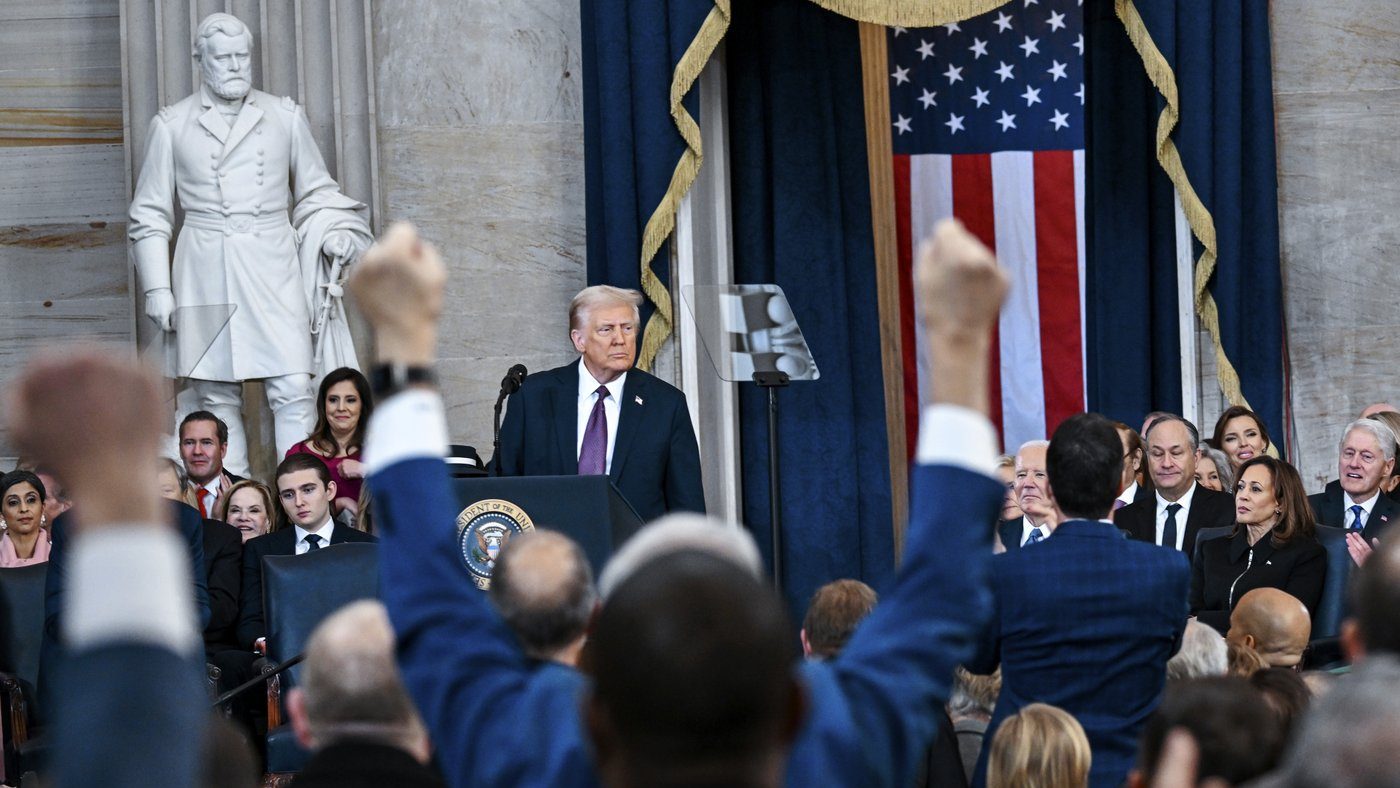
<point x="21" y="632"/>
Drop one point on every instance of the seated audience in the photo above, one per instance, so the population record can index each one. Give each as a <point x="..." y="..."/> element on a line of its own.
<point x="343" y="408"/>
<point x="1273" y="623"/>
<point x="1010" y="509"/>
<point x="1239" y="737"/>
<point x="1351" y="737"/>
<point x="56" y="501"/>
<point x="832" y="615"/>
<point x="352" y="711"/>
<point x="1039" y="746"/>
<point x="203" y="445"/>
<point x="1374" y="627"/>
<point x="688" y="633"/>
<point x="542" y="586"/>
<point x="24" y="539"/>
<point x="1286" y="694"/>
<point x="1150" y="419"/>
<point x="248" y="507"/>
<point x="1133" y="457"/>
<point x="1241" y="435"/>
<point x="1365" y="459"/>
<point x="1213" y="471"/>
<point x="173" y="484"/>
<point x="305" y="491"/>
<point x="970" y="707"/>
<point x="1181" y="507"/>
<point x="1389" y="485"/>
<point x="1203" y="653"/>
<point x="1108" y="667"/>
<point x="1272" y="546"/>
<point x="1244" y="660"/>
<point x="1037" y="519"/>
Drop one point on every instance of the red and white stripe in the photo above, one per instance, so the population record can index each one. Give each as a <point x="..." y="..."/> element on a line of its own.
<point x="1029" y="208"/>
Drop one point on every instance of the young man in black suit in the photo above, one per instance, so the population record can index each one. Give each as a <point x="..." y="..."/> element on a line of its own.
<point x="1181" y="507"/>
<point x="306" y="491"/>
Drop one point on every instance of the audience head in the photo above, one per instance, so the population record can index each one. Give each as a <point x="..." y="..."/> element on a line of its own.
<point x="1150" y="419"/>
<point x="1040" y="746"/>
<point x="604" y="322"/>
<point x="248" y="507"/>
<point x="1377" y="407"/>
<point x="1365" y="458"/>
<point x="22" y="497"/>
<point x="1240" y="434"/>
<point x="832" y="616"/>
<point x="543" y="588"/>
<point x="974" y="696"/>
<point x="1213" y="470"/>
<point x="1085" y="463"/>
<point x="343" y="408"/>
<point x="1374" y="627"/>
<point x="1132" y="454"/>
<point x="1239" y="736"/>
<point x="1270" y="491"/>
<point x="57" y="501"/>
<point x="305" y="489"/>
<point x="681" y="531"/>
<point x="1171" y="455"/>
<point x="223" y="48"/>
<point x="1351" y="737"/>
<point x="692" y="676"/>
<point x="1273" y="623"/>
<point x="1390" y="419"/>
<point x="173" y="483"/>
<point x="1286" y="694"/>
<point x="1203" y="653"/>
<point x="1006" y="474"/>
<point x="1033" y="481"/>
<point x="1244" y="660"/>
<point x="351" y="689"/>
<point x="203" y="444"/>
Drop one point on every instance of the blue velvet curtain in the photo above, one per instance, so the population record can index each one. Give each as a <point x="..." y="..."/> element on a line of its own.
<point x="801" y="208"/>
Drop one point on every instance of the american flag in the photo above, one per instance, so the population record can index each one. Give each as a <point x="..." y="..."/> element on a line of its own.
<point x="988" y="126"/>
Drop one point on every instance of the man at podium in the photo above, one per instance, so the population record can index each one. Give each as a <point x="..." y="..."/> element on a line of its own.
<point x="600" y="416"/>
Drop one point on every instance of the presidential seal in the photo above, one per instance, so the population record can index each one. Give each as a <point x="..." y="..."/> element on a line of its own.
<point x="483" y="529"/>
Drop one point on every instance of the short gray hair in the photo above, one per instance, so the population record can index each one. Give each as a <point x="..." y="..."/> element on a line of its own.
<point x="1348" y="739"/>
<point x="228" y="24"/>
<point x="1203" y="653"/>
<point x="598" y="296"/>
<point x="1222" y="467"/>
<point x="1382" y="432"/>
<point x="676" y="532"/>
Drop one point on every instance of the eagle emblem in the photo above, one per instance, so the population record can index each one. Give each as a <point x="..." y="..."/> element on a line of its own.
<point x="483" y="530"/>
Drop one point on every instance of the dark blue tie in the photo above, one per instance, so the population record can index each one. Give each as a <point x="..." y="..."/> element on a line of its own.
<point x="313" y="542"/>
<point x="1035" y="537"/>
<point x="1169" y="530"/>
<point x="1356" y="513"/>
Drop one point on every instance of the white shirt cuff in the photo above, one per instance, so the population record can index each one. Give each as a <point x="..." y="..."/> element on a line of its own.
<point x="954" y="435"/>
<point x="408" y="425"/>
<point x="131" y="583"/>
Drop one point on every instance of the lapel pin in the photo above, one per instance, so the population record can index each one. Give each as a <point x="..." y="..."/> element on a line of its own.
<point x="637" y="399"/>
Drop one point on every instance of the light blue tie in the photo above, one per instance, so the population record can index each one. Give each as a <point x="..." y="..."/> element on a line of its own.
<point x="1035" y="536"/>
<point x="1356" y="513"/>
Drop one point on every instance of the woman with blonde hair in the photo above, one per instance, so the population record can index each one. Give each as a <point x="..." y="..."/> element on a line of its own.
<point x="1040" y="746"/>
<point x="250" y="507"/>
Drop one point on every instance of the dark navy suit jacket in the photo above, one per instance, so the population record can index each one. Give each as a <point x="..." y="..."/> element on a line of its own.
<point x="655" y="463"/>
<point x="1329" y="507"/>
<point x="499" y="719"/>
<point x="251" y="622"/>
<point x="1086" y="621"/>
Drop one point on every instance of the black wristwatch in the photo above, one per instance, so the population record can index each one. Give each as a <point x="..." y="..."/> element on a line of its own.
<point x="385" y="380"/>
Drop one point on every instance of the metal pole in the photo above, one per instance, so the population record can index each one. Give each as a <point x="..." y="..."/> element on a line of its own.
<point x="775" y="499"/>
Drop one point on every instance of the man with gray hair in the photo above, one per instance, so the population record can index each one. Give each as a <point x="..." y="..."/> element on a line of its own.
<point x="1365" y="458"/>
<point x="352" y="710"/>
<point x="543" y="588"/>
<point x="263" y="224"/>
<point x="600" y="417"/>
<point x="1203" y="652"/>
<point x="1031" y="486"/>
<point x="1181" y="507"/>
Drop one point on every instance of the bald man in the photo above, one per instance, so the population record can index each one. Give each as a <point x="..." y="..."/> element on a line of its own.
<point x="1273" y="623"/>
<point x="543" y="588"/>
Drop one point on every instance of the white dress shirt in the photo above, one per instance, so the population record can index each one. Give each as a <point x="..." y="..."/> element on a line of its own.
<point x="1366" y="507"/>
<point x="612" y="407"/>
<point x="1181" y="515"/>
<point x="1129" y="493"/>
<point x="324" y="531"/>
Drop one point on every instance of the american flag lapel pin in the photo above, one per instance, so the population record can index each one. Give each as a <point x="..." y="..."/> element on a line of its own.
<point x="637" y="399"/>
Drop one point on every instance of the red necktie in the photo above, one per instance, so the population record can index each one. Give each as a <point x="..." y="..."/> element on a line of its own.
<point x="203" y="510"/>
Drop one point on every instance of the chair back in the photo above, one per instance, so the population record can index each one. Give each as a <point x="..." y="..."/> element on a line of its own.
<point x="1205" y="535"/>
<point x="300" y="591"/>
<point x="22" y="623"/>
<point x="1332" y="608"/>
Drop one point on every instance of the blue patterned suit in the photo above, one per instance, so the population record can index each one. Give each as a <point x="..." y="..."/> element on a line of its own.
<point x="1086" y="621"/>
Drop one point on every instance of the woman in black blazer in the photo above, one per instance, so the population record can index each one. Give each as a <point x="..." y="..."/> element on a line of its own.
<point x="1273" y="545"/>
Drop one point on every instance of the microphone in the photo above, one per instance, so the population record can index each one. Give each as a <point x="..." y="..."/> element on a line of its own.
<point x="514" y="377"/>
<point x="510" y="384"/>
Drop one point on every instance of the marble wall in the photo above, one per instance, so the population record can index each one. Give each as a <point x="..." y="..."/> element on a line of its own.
<point x="480" y="125"/>
<point x="1337" y="106"/>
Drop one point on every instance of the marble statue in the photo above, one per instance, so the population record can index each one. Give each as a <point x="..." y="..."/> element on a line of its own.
<point x="265" y="230"/>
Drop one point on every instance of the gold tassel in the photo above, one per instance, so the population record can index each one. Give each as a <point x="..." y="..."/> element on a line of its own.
<point x="910" y="13"/>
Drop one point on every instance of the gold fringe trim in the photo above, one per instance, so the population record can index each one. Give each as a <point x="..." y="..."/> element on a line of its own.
<point x="1202" y="224"/>
<point x="910" y="13"/>
<point x="663" y="219"/>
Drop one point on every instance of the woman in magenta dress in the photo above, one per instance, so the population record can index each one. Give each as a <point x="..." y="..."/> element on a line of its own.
<point x="343" y="407"/>
<point x="25" y="540"/>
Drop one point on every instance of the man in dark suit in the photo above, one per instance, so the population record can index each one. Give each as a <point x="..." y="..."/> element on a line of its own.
<point x="1086" y="620"/>
<point x="1365" y="458"/>
<point x="1181" y="507"/>
<point x="496" y="720"/>
<point x="223" y="566"/>
<point x="600" y="416"/>
<point x="306" y="491"/>
<point x="1031" y="488"/>
<point x="203" y="445"/>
